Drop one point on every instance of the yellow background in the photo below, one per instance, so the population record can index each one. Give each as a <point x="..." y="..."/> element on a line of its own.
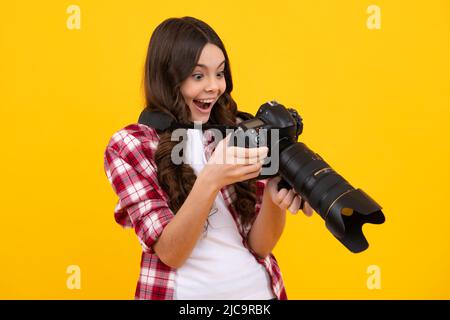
<point x="375" y="105"/>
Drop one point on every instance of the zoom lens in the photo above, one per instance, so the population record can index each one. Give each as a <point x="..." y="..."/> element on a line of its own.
<point x="344" y="208"/>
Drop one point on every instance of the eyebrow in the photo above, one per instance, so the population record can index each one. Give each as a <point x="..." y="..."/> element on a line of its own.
<point x="203" y="66"/>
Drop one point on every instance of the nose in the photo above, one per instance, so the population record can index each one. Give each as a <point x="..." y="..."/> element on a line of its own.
<point x="213" y="85"/>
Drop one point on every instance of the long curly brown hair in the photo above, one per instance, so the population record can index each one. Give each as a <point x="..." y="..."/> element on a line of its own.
<point x="173" y="52"/>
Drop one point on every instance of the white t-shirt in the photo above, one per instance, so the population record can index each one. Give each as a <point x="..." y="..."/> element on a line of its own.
<point x="220" y="267"/>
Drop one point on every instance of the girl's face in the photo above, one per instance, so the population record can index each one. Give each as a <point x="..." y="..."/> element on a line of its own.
<point x="206" y="83"/>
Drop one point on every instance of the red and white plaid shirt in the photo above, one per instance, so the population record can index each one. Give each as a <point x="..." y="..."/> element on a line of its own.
<point x="143" y="205"/>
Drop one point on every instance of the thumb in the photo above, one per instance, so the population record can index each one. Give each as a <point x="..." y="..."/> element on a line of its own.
<point x="226" y="140"/>
<point x="221" y="146"/>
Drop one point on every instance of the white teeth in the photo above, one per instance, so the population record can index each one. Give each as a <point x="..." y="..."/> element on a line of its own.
<point x="206" y="101"/>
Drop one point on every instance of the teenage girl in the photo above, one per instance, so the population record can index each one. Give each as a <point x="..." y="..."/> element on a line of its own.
<point x="207" y="227"/>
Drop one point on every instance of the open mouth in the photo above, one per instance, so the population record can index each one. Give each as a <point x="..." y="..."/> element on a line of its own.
<point x="203" y="105"/>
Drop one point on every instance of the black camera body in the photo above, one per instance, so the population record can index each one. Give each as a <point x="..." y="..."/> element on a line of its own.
<point x="273" y="126"/>
<point x="344" y="208"/>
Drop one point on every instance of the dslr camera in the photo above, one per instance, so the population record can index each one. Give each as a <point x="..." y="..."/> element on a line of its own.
<point x="343" y="208"/>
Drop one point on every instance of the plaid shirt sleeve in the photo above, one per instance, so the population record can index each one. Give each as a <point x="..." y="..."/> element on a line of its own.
<point x="141" y="205"/>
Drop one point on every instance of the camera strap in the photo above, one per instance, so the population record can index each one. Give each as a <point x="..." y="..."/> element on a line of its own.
<point x="162" y="121"/>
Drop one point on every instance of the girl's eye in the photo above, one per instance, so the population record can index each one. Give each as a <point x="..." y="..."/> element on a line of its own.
<point x="199" y="76"/>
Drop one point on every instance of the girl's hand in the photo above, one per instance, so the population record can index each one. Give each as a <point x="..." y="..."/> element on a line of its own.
<point x="287" y="199"/>
<point x="228" y="165"/>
